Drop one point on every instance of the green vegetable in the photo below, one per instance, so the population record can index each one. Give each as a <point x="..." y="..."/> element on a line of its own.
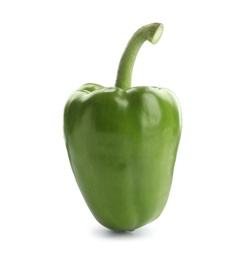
<point x="122" y="143"/>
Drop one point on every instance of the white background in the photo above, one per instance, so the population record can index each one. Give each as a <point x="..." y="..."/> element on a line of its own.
<point x="48" y="50"/>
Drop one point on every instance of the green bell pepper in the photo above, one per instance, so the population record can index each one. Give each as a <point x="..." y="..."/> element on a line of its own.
<point x="122" y="143"/>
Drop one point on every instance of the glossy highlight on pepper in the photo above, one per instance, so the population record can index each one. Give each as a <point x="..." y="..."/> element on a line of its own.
<point x="122" y="143"/>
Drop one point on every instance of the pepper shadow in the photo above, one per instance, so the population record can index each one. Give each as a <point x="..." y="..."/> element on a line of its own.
<point x="114" y="234"/>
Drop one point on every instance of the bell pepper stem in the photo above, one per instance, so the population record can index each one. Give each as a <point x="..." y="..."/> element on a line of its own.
<point x="152" y="33"/>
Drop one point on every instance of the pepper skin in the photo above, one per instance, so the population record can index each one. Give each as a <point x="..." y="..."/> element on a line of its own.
<point x="122" y="143"/>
